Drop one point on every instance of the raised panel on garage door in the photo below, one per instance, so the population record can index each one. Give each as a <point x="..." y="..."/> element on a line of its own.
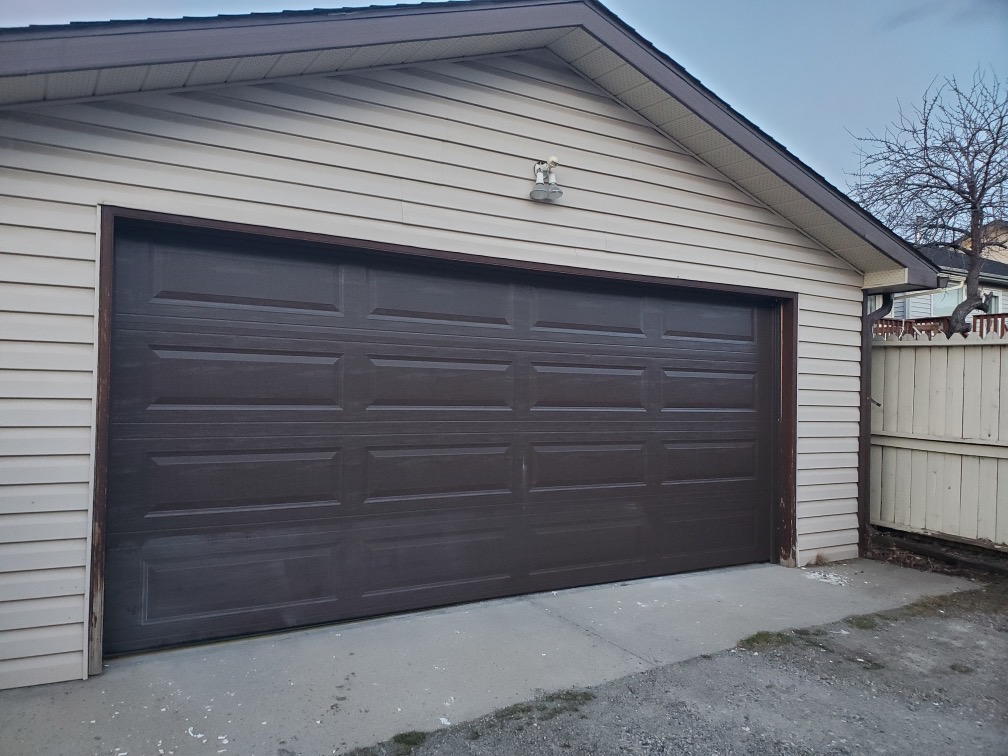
<point x="302" y="434"/>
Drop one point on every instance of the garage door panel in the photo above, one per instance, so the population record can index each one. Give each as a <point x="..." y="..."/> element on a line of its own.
<point x="184" y="588"/>
<point x="710" y="460"/>
<point x="397" y="473"/>
<point x="692" y="318"/>
<point x="420" y="558"/>
<point x="708" y="540"/>
<point x="306" y="434"/>
<point x="589" y="385"/>
<point x="416" y="298"/>
<point x="559" y="548"/>
<point x="439" y="382"/>
<point x="193" y="483"/>
<point x="708" y="389"/>
<point x="567" y="310"/>
<point x="171" y="376"/>
<point x="228" y="281"/>
<point x="587" y="466"/>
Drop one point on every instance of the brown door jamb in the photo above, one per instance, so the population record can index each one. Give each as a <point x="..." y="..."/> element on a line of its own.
<point x="785" y="480"/>
<point x="97" y="585"/>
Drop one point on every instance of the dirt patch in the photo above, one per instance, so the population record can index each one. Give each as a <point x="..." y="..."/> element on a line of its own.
<point x="936" y="555"/>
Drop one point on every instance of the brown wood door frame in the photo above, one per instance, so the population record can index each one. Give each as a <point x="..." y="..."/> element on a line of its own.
<point x="784" y="433"/>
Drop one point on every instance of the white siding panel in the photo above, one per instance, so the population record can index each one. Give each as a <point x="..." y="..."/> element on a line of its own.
<point x="46" y="497"/>
<point x="829" y="553"/>
<point x="45" y="413"/>
<point x="39" y="213"/>
<point x="73" y="329"/>
<point x="435" y="156"/>
<point x="33" y="355"/>
<point x="827" y="523"/>
<point x="829" y="445"/>
<point x="26" y="267"/>
<point x="42" y="555"/>
<point x="17" y="442"/>
<point x="824" y="508"/>
<point x="44" y="612"/>
<point x="43" y="526"/>
<point x="812" y="542"/>
<point x="40" y="242"/>
<point x="55" y="300"/>
<point x="58" y="639"/>
<point x="45" y="469"/>
<point x="808" y="367"/>
<point x="34" y="584"/>
<point x="38" y="384"/>
<point x="39" y="670"/>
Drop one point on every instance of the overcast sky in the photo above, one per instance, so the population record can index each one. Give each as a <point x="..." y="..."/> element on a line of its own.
<point x="805" y="71"/>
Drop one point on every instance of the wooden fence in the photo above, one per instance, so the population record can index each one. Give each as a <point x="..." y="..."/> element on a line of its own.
<point x="939" y="453"/>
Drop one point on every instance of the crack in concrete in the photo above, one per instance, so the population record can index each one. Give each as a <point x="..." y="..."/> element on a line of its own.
<point x="650" y="663"/>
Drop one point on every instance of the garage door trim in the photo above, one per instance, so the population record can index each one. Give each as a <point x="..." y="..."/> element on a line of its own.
<point x="784" y="433"/>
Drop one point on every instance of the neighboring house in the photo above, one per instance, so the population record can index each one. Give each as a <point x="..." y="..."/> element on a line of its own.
<point x="285" y="340"/>
<point x="995" y="234"/>
<point x="954" y="264"/>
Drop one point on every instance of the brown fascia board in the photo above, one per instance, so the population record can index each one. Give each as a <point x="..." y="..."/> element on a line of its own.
<point x="120" y="44"/>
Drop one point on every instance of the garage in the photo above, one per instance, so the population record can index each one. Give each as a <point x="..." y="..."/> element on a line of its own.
<point x="301" y="433"/>
<point x="296" y="332"/>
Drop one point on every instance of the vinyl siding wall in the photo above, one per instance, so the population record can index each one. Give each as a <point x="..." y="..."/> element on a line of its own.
<point x="437" y="156"/>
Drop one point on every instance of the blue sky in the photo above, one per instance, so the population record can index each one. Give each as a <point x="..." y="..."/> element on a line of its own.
<point x="805" y="71"/>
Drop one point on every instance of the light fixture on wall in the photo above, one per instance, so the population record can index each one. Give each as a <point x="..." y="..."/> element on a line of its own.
<point x="546" y="188"/>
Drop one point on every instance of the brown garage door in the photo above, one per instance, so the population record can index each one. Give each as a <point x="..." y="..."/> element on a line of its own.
<point x="302" y="434"/>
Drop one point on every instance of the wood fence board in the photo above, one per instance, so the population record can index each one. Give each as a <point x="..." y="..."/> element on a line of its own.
<point x="917" y="501"/>
<point x="887" y="512"/>
<point x="890" y="395"/>
<point x="951" y="496"/>
<point x="877" y="393"/>
<point x="1001" y="526"/>
<point x="921" y="391"/>
<point x="1003" y="405"/>
<point x="971" y="399"/>
<point x="987" y="504"/>
<point x="901" y="504"/>
<point x="990" y="387"/>
<point x="935" y="489"/>
<point x="954" y="393"/>
<point x="875" y="488"/>
<point x="969" y="501"/>
<point x="936" y="407"/>
<point x="905" y="397"/>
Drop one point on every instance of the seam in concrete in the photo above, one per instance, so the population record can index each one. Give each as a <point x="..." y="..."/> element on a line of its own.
<point x="650" y="663"/>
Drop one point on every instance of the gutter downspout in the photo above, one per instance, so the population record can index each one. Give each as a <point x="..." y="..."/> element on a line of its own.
<point x="868" y="320"/>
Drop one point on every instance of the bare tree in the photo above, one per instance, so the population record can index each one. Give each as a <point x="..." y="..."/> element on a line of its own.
<point x="939" y="174"/>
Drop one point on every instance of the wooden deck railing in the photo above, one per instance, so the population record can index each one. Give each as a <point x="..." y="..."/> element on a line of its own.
<point x="895" y="326"/>
<point x="982" y="324"/>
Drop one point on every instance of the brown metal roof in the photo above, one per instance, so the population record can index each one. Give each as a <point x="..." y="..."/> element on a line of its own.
<point x="107" y="58"/>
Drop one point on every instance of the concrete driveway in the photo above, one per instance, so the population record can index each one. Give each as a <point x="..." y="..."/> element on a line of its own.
<point x="326" y="690"/>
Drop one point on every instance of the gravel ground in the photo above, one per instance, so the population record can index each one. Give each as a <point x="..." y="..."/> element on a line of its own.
<point x="926" y="679"/>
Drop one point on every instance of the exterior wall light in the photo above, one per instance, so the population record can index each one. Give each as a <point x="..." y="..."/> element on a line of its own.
<point x="546" y="189"/>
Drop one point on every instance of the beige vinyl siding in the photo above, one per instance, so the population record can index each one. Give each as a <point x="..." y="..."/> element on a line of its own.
<point x="436" y="156"/>
<point x="47" y="357"/>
